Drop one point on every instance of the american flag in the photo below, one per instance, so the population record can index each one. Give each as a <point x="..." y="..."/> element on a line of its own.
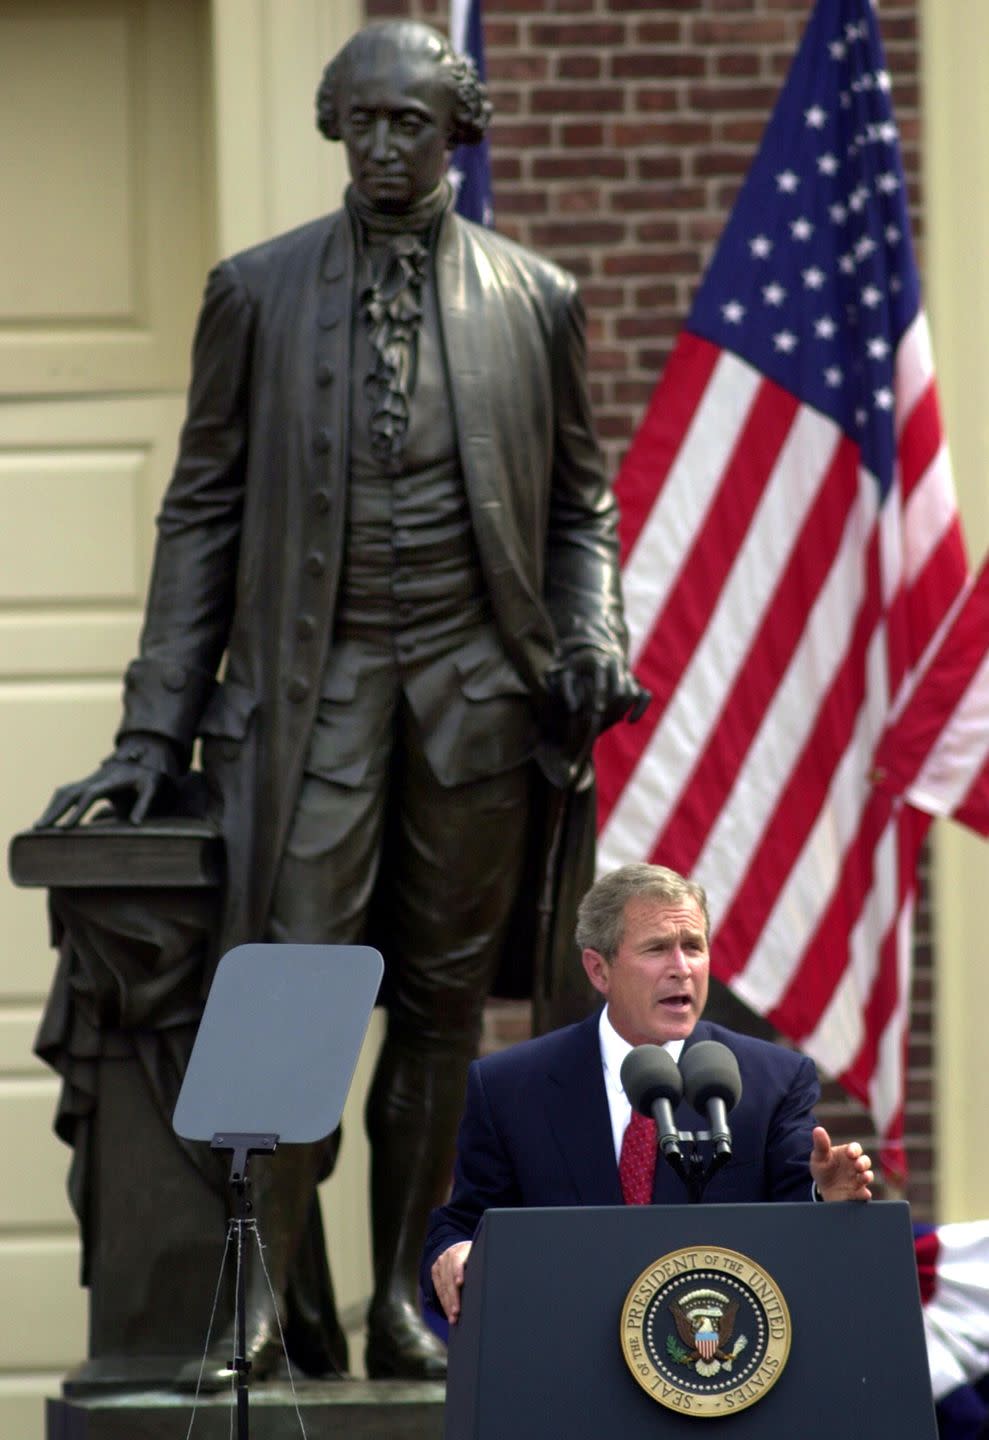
<point x="470" y="165"/>
<point x="936" y="752"/>
<point x="791" y="546"/>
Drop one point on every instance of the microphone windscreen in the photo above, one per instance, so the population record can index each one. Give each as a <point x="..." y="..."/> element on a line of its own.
<point x="650" y="1073"/>
<point x="710" y="1072"/>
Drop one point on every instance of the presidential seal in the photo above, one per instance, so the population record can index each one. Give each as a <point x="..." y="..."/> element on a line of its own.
<point x="705" y="1331"/>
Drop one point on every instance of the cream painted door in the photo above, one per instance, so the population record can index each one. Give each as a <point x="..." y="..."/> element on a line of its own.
<point x="104" y="243"/>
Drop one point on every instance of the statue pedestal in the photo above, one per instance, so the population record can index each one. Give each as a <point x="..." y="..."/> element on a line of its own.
<point x="348" y="1409"/>
<point x="134" y="913"/>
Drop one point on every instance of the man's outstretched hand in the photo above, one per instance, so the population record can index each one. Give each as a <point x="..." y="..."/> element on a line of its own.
<point x="840" y="1172"/>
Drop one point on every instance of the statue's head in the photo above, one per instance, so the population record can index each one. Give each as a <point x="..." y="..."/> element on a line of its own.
<point x="400" y="99"/>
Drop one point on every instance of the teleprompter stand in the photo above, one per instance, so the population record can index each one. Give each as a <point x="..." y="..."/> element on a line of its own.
<point x="273" y="1061"/>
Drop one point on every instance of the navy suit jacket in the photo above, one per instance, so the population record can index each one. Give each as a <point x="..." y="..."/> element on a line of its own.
<point x="536" y="1130"/>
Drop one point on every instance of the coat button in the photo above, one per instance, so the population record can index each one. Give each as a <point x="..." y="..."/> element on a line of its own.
<point x="305" y="627"/>
<point x="324" y="372"/>
<point x="321" y="501"/>
<point x="297" y="688"/>
<point x="315" y="563"/>
<point x="173" y="677"/>
<point x="322" y="440"/>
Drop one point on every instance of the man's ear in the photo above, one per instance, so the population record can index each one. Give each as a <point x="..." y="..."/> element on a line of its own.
<point x="597" y="970"/>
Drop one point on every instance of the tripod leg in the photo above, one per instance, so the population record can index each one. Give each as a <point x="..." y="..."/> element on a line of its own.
<point x="282" y="1193"/>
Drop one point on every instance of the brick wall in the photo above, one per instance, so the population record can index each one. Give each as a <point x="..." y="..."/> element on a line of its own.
<point x="622" y="131"/>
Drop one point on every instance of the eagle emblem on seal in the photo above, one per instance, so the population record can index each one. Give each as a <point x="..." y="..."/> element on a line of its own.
<point x="705" y="1322"/>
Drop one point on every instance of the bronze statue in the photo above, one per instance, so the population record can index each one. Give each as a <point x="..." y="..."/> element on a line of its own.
<point x="385" y="596"/>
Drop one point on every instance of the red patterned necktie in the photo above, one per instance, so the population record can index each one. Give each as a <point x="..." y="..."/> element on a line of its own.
<point x="637" y="1163"/>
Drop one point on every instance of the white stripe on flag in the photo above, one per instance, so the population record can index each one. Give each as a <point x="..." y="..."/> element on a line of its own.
<point x="650" y="571"/>
<point x="914" y="368"/>
<point x="944" y="779"/>
<point x="787" y="722"/>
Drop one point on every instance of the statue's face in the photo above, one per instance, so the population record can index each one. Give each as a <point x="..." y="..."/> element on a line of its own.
<point x="395" y="123"/>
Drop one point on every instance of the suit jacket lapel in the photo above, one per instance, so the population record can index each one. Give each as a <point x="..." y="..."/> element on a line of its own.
<point x="578" y="1115"/>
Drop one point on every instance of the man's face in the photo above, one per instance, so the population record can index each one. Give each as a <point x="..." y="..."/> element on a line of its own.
<point x="396" y="120"/>
<point x="656" y="985"/>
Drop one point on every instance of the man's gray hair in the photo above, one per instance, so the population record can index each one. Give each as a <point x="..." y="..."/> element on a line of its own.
<point x="601" y="915"/>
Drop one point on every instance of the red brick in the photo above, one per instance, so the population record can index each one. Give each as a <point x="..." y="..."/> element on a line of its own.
<point x="631" y="6"/>
<point x="721" y="162"/>
<point x="505" y="102"/>
<point x="616" y="427"/>
<point x="652" y="358"/>
<point x="520" y="202"/>
<point x="505" y="167"/>
<point x="658" y="232"/>
<point x="740" y="30"/>
<point x="500" y="34"/>
<point x="658" y="65"/>
<point x="582" y="135"/>
<point x="645" y="262"/>
<point x="732" y="97"/>
<point x="525" y="135"/>
<point x="661" y="167"/>
<point x="602" y="358"/>
<point x="748" y="132"/>
<point x="579" y="67"/>
<point x="660" y="197"/>
<point x="588" y="232"/>
<point x="573" y="100"/>
<point x="634" y="392"/>
<point x="578" y="262"/>
<point x="704" y="228"/>
<point x="658" y="32"/>
<point x="655" y="296"/>
<point x="578" y="202"/>
<point x="602" y="297"/>
<point x="736" y="63"/>
<point x="656" y="101"/>
<point x="555" y="166"/>
<point x="563" y="36"/>
<point x="503" y="67"/>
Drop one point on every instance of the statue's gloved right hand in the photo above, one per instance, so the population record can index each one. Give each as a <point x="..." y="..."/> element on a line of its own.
<point x="140" y="767"/>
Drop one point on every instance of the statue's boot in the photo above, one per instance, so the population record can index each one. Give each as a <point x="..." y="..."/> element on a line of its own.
<point x="412" y="1115"/>
<point x="282" y="1189"/>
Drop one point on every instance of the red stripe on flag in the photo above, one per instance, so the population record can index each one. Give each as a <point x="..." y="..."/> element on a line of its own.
<point x="804" y="791"/>
<point x="920" y="440"/>
<point x="934" y="590"/>
<point x="657" y="442"/>
<point x="764" y="666"/>
<point x="702" y="577"/>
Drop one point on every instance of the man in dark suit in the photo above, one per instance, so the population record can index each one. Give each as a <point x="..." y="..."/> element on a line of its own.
<point x="546" y="1121"/>
<point x="390" y="535"/>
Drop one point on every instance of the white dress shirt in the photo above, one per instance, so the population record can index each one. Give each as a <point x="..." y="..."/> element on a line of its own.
<point x="613" y="1052"/>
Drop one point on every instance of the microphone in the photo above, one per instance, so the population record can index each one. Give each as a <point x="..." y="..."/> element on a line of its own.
<point x="653" y="1084"/>
<point x="713" y="1086"/>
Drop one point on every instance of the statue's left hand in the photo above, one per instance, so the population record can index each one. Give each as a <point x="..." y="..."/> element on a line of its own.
<point x="595" y="689"/>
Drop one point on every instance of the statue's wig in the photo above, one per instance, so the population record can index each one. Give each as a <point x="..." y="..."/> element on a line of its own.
<point x="472" y="108"/>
